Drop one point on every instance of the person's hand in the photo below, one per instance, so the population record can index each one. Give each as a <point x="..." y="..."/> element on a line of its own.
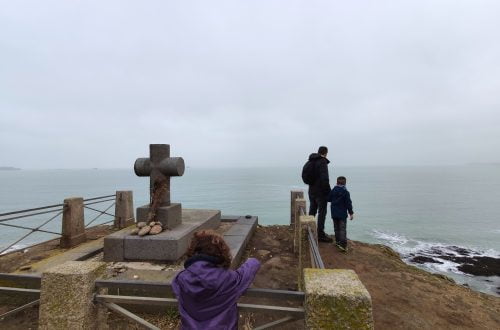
<point x="351" y="216"/>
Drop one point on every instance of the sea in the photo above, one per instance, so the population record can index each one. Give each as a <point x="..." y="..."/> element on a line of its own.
<point x="414" y="210"/>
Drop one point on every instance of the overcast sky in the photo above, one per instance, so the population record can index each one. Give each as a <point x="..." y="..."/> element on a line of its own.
<point x="249" y="83"/>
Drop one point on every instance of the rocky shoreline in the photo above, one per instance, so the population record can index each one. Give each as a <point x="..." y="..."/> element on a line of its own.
<point x="459" y="259"/>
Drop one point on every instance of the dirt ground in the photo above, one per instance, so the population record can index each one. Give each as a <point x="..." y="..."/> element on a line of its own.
<point x="403" y="296"/>
<point x="13" y="261"/>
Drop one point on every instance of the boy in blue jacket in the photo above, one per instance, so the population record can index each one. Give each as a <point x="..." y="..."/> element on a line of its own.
<point x="341" y="205"/>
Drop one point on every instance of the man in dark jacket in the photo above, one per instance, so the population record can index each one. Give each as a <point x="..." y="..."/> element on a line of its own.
<point x="341" y="205"/>
<point x="319" y="190"/>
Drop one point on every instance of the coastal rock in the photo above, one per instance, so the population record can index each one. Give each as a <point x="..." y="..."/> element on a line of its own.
<point x="144" y="230"/>
<point x="141" y="224"/>
<point x="135" y="231"/>
<point x="151" y="224"/>
<point x="156" y="229"/>
<point x="423" y="260"/>
<point x="481" y="266"/>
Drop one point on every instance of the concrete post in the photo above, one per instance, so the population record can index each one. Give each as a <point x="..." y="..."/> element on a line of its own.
<point x="304" y="254"/>
<point x="73" y="225"/>
<point x="124" y="209"/>
<point x="294" y="194"/>
<point x="66" y="296"/>
<point x="299" y="203"/>
<point x="336" y="299"/>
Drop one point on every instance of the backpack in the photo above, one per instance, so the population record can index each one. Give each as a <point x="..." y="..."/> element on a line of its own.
<point x="309" y="172"/>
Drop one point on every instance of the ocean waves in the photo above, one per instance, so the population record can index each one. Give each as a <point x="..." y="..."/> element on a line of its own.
<point x="470" y="266"/>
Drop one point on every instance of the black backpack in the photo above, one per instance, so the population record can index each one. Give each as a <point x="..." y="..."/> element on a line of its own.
<point x="309" y="172"/>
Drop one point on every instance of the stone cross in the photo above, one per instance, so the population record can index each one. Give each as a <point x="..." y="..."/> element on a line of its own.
<point x="159" y="167"/>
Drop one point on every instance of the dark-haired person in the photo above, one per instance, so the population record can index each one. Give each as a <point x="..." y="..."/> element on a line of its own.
<point x="319" y="190"/>
<point x="341" y="206"/>
<point x="207" y="290"/>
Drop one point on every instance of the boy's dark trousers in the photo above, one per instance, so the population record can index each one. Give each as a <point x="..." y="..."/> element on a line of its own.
<point x="339" y="226"/>
<point x="318" y="204"/>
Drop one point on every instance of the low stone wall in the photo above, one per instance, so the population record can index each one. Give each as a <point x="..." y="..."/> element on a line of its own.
<point x="336" y="299"/>
<point x="66" y="297"/>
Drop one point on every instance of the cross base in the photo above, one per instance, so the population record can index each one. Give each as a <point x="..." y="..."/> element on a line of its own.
<point x="169" y="216"/>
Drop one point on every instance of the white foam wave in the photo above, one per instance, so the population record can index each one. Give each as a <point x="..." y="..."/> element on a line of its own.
<point x="13" y="248"/>
<point x="408" y="247"/>
<point x="392" y="238"/>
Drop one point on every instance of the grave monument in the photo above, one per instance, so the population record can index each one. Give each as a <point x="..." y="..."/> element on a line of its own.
<point x="178" y="224"/>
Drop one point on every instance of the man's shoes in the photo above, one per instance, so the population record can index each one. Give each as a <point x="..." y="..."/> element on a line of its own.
<point x="341" y="248"/>
<point x="324" y="238"/>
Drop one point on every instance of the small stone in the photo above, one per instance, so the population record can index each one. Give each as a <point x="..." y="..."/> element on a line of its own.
<point x="25" y="268"/>
<point x="155" y="230"/>
<point x="144" y="230"/>
<point x="136" y="277"/>
<point x="158" y="223"/>
<point x="135" y="231"/>
<point x="152" y="223"/>
<point x="141" y="224"/>
<point x="262" y="253"/>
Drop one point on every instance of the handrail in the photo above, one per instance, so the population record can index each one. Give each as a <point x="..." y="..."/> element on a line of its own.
<point x="167" y="288"/>
<point x="318" y="262"/>
<point x="56" y="208"/>
<point x="49" y="207"/>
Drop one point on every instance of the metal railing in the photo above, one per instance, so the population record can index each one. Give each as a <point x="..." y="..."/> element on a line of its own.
<point x="33" y="281"/>
<point x="316" y="260"/>
<point x="289" y="314"/>
<point x="58" y="209"/>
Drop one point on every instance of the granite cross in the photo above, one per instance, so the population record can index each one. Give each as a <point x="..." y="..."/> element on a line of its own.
<point x="159" y="167"/>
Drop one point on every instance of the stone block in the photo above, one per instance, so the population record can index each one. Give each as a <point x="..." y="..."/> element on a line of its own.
<point x="169" y="216"/>
<point x="114" y="246"/>
<point x="66" y="297"/>
<point x="169" y="245"/>
<point x="229" y="218"/>
<point x="294" y="194"/>
<point x="124" y="209"/>
<point x="299" y="203"/>
<point x="73" y="223"/>
<point x="336" y="299"/>
<point x="236" y="246"/>
<point x="243" y="231"/>
<point x="250" y="221"/>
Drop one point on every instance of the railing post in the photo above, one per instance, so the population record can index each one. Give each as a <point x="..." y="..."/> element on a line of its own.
<point x="73" y="223"/>
<point x="304" y="255"/>
<point x="66" y="296"/>
<point x="294" y="194"/>
<point x="336" y="299"/>
<point x="299" y="203"/>
<point x="124" y="209"/>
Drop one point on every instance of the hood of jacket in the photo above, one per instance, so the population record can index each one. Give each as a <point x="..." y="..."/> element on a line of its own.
<point x="338" y="191"/>
<point x="315" y="156"/>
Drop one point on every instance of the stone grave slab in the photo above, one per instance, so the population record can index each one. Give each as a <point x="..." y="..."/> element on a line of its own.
<point x="238" y="236"/>
<point x="169" y="245"/>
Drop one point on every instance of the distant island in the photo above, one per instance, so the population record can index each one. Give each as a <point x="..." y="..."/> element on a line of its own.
<point x="9" y="168"/>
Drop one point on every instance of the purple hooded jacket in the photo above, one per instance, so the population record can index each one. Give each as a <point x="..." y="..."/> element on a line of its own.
<point x="207" y="294"/>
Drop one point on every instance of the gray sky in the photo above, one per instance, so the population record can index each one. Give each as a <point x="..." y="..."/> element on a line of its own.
<point x="249" y="83"/>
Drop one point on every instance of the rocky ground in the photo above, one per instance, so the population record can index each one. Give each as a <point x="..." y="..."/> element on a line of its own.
<point x="404" y="297"/>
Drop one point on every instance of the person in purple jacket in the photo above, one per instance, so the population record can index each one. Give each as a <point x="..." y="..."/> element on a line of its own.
<point x="207" y="290"/>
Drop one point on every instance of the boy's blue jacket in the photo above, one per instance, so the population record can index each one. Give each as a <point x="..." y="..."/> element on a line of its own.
<point x="340" y="200"/>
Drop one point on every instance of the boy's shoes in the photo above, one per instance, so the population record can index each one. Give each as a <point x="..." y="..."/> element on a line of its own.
<point x="341" y="248"/>
<point x="324" y="238"/>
